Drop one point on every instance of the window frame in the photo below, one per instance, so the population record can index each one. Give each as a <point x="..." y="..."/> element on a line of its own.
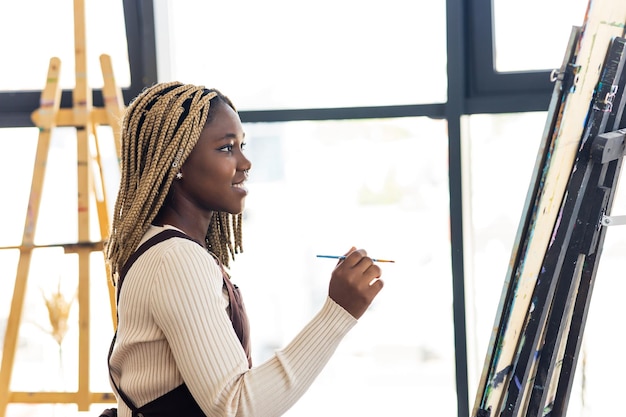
<point x="491" y="91"/>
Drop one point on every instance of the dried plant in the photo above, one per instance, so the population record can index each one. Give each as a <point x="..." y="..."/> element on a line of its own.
<point x="58" y="312"/>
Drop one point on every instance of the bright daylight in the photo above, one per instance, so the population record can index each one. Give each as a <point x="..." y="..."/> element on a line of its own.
<point x="336" y="208"/>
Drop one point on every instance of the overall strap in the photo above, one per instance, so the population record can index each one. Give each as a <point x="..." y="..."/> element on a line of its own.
<point x="238" y="316"/>
<point x="158" y="238"/>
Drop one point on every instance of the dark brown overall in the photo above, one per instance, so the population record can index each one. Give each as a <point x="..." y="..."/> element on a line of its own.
<point x="179" y="401"/>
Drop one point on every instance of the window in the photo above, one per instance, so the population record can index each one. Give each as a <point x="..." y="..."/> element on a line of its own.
<point x="319" y="188"/>
<point x="49" y="32"/>
<point x="525" y="37"/>
<point x="500" y="152"/>
<point x="335" y="60"/>
<point x="280" y="54"/>
<point x="529" y="36"/>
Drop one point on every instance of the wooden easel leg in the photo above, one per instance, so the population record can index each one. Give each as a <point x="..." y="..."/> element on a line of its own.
<point x="84" y="266"/>
<point x="100" y="192"/>
<point x="12" y="330"/>
<point x="114" y="106"/>
<point x="82" y="119"/>
<point x="113" y="100"/>
<point x="46" y="116"/>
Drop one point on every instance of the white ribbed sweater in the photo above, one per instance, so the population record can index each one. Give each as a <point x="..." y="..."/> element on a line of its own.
<point x="174" y="327"/>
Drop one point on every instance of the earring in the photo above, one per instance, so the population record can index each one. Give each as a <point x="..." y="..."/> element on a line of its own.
<point x="179" y="175"/>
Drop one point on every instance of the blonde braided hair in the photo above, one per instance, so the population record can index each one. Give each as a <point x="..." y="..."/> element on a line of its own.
<point x="159" y="130"/>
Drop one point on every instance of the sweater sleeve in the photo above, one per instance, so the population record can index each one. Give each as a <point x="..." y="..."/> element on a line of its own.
<point x="189" y="307"/>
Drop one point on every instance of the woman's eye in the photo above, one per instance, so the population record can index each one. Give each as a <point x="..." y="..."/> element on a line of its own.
<point x="243" y="146"/>
<point x="229" y="148"/>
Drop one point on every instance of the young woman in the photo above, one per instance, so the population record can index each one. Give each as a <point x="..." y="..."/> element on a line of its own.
<point x="182" y="343"/>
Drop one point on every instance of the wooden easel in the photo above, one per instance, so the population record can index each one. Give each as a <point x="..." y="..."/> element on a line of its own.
<point x="85" y="118"/>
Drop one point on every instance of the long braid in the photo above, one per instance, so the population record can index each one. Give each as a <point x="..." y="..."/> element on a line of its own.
<point x="160" y="128"/>
<point x="224" y="237"/>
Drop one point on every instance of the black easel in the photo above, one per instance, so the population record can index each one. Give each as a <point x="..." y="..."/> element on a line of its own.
<point x="539" y="379"/>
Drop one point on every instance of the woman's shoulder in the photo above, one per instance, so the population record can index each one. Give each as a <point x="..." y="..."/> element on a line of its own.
<point x="154" y="232"/>
<point x="161" y="235"/>
<point x="175" y="248"/>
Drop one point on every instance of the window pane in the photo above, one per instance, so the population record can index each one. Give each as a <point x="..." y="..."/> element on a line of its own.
<point x="319" y="188"/>
<point x="328" y="53"/>
<point x="533" y="34"/>
<point x="37" y="30"/>
<point x="501" y="153"/>
<point x="57" y="222"/>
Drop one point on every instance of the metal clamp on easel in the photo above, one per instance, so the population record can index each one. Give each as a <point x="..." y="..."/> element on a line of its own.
<point x="613" y="147"/>
<point x="613" y="220"/>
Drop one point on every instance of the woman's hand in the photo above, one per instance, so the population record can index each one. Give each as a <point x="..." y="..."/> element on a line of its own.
<point x="355" y="282"/>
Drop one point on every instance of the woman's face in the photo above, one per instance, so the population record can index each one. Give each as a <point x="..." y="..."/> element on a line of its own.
<point x="214" y="174"/>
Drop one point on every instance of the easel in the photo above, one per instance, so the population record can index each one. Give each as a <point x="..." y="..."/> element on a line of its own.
<point x="85" y="118"/>
<point x="546" y="360"/>
<point x="529" y="370"/>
